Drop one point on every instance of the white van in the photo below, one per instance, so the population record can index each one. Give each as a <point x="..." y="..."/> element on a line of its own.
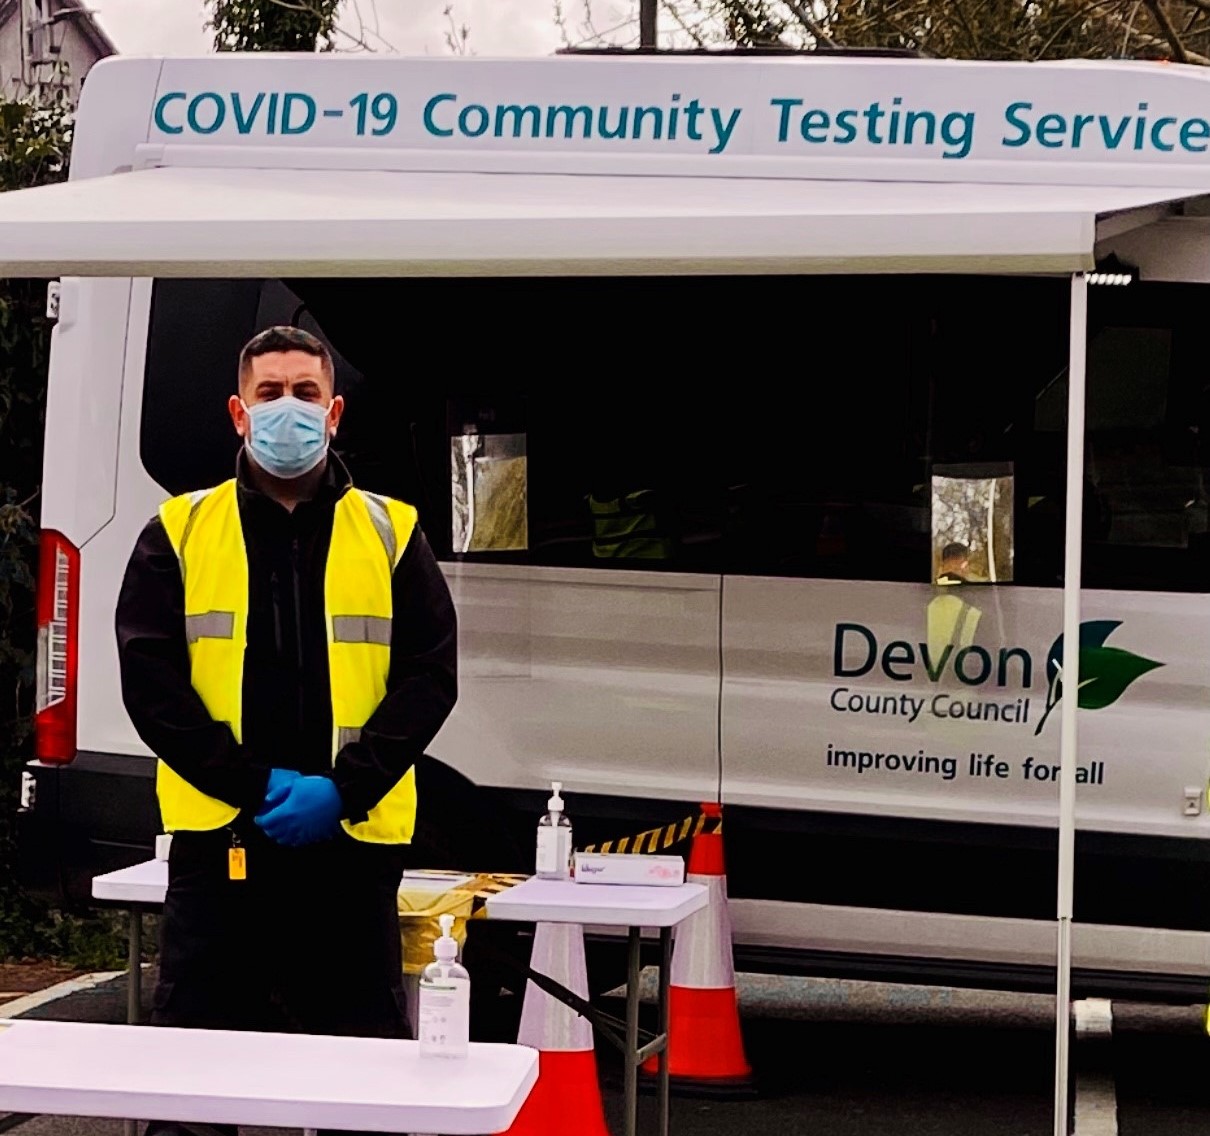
<point x="731" y="392"/>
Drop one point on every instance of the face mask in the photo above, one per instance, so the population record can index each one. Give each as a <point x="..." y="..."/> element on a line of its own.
<point x="287" y="437"/>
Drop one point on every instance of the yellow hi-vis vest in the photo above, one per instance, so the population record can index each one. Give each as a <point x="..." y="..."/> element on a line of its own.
<point x="369" y="534"/>
<point x="625" y="527"/>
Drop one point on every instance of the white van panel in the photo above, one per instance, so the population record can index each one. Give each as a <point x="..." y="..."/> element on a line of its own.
<point x="798" y="719"/>
<point x="965" y="938"/>
<point x="114" y="114"/>
<point x="605" y="680"/>
<point x="83" y="407"/>
<point x="104" y="725"/>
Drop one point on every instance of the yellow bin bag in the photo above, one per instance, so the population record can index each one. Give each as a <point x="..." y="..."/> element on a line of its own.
<point x="424" y="896"/>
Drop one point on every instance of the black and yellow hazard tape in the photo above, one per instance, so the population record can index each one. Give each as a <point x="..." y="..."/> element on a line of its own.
<point x="487" y="884"/>
<point x="496" y="883"/>
<point x="659" y="839"/>
<point x="652" y="841"/>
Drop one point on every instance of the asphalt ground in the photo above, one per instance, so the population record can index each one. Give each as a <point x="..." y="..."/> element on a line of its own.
<point x="860" y="1058"/>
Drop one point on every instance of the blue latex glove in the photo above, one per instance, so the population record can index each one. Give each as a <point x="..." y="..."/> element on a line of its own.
<point x="310" y="812"/>
<point x="280" y="781"/>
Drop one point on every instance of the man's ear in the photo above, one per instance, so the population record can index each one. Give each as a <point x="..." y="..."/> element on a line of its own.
<point x="335" y="413"/>
<point x="239" y="416"/>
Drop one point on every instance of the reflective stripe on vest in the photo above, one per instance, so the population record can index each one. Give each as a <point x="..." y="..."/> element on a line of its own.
<point x="369" y="534"/>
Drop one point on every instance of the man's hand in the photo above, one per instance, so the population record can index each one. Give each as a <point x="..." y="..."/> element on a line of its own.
<point x="309" y="812"/>
<point x="280" y="781"/>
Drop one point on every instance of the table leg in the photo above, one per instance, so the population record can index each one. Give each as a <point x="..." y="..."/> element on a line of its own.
<point x="632" y="1033"/>
<point x="134" y="987"/>
<point x="134" y="969"/>
<point x="665" y="1019"/>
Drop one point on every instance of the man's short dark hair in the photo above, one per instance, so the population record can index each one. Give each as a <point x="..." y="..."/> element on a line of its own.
<point x="282" y="338"/>
<point x="955" y="551"/>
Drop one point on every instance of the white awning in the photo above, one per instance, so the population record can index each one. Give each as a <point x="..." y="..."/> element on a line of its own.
<point x="188" y="221"/>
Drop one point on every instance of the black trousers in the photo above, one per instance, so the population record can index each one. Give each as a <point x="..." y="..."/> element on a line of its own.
<point x="307" y="943"/>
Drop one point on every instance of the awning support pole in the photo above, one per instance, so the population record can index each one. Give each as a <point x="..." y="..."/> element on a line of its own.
<point x="1072" y="564"/>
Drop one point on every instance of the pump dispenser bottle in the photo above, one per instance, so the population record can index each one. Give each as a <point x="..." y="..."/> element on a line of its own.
<point x="554" y="839"/>
<point x="444" y="1013"/>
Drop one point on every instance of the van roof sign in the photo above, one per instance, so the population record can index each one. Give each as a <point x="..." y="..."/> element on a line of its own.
<point x="1074" y="121"/>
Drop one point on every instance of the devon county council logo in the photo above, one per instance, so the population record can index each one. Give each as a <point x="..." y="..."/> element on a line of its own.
<point x="1105" y="672"/>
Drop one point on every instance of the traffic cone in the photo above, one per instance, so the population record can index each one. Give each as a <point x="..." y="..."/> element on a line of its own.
<point x="705" y="1047"/>
<point x="566" y="1101"/>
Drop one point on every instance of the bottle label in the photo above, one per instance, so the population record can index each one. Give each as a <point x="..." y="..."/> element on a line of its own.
<point x="444" y="1017"/>
<point x="553" y="860"/>
<point x="548" y="850"/>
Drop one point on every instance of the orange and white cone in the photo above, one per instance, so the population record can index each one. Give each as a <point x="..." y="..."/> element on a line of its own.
<point x="705" y="1046"/>
<point x="566" y="1101"/>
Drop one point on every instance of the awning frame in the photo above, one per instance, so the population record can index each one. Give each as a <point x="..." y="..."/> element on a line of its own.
<point x="1068" y="722"/>
<point x="195" y="220"/>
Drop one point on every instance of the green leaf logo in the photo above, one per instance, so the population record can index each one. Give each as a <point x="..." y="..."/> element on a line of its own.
<point x="1105" y="672"/>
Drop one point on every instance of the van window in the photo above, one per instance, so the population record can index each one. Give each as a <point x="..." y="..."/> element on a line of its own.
<point x="1148" y="438"/>
<point x="781" y="426"/>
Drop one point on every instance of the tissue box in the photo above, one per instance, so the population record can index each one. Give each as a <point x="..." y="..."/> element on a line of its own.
<point x="623" y="868"/>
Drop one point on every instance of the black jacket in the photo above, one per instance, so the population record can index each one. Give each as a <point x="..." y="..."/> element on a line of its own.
<point x="287" y="709"/>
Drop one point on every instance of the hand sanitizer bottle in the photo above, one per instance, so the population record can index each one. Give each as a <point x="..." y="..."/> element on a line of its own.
<point x="444" y="1012"/>
<point x="554" y="839"/>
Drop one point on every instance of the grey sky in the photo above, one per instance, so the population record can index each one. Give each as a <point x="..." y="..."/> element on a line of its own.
<point x="413" y="27"/>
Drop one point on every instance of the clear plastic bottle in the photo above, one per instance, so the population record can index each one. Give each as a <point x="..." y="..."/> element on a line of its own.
<point x="554" y="839"/>
<point x="444" y="1012"/>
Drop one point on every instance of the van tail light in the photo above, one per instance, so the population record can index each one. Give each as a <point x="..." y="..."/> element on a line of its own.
<point x="58" y="609"/>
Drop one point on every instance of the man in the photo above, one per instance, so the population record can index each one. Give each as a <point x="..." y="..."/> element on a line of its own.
<point x="625" y="526"/>
<point x="952" y="618"/>
<point x="288" y="649"/>
<point x="955" y="564"/>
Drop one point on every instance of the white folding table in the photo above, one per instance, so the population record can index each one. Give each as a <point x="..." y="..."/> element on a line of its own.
<point x="614" y="905"/>
<point x="142" y="887"/>
<point x="275" y="1080"/>
<point x="139" y="888"/>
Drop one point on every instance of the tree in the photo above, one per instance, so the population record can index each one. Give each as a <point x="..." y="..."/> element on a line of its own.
<point x="292" y="25"/>
<point x="273" y="25"/>
<point x="964" y="29"/>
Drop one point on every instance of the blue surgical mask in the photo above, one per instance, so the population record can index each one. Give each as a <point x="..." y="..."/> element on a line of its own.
<point x="287" y="437"/>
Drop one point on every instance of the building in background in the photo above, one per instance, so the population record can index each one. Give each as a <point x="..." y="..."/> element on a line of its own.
<point x="48" y="46"/>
